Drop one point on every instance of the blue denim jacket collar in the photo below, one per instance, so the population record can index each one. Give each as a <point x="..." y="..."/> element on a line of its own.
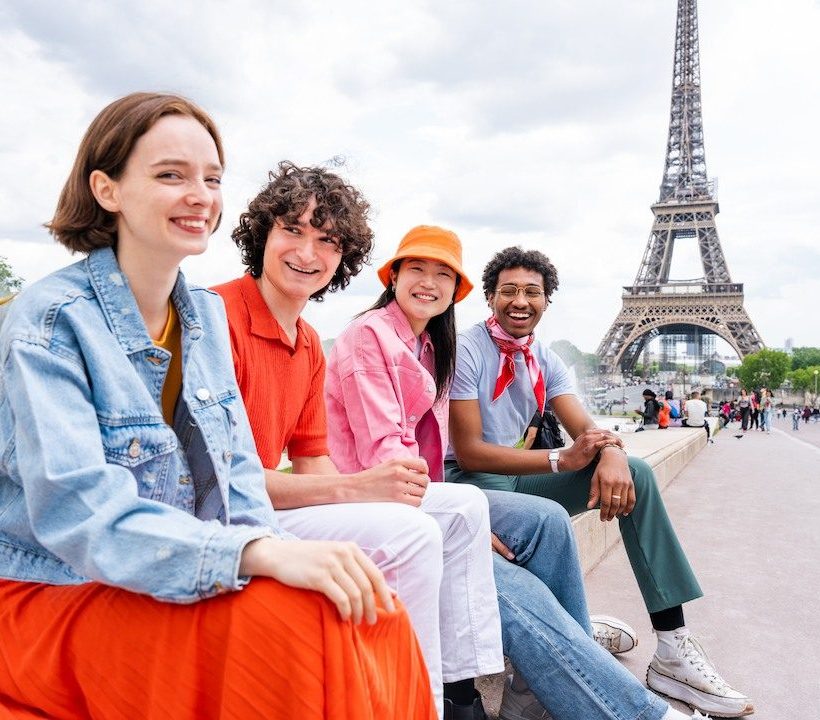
<point x="120" y="306"/>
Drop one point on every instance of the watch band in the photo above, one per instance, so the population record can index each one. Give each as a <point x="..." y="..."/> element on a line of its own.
<point x="553" y="456"/>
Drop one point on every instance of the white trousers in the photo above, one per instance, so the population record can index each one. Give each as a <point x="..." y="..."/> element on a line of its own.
<point x="438" y="559"/>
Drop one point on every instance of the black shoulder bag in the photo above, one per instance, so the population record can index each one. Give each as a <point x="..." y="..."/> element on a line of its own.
<point x="548" y="432"/>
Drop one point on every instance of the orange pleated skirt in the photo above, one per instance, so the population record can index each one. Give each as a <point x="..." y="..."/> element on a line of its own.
<point x="269" y="651"/>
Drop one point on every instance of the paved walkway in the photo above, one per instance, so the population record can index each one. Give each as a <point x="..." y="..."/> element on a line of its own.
<point x="747" y="512"/>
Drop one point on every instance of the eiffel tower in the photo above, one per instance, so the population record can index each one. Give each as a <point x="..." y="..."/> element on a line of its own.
<point x="655" y="305"/>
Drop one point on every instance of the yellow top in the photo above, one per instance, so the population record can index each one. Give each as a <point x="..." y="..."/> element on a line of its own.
<point x="171" y="340"/>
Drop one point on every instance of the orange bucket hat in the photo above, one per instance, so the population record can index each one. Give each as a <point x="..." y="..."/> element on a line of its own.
<point x="429" y="242"/>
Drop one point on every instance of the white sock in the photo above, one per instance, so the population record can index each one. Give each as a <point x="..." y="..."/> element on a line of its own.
<point x="672" y="714"/>
<point x="667" y="642"/>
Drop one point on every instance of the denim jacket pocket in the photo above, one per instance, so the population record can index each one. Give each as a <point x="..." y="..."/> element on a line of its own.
<point x="139" y="444"/>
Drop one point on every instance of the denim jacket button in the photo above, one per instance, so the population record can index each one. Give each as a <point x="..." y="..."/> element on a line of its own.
<point x="227" y="456"/>
<point x="202" y="394"/>
<point x="134" y="448"/>
<point x="184" y="479"/>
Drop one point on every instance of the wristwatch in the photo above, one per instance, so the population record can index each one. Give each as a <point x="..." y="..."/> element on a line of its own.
<point x="553" y="456"/>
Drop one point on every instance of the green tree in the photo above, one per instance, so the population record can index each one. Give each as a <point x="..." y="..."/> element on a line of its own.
<point x="9" y="282"/>
<point x="565" y="350"/>
<point x="766" y="368"/>
<point x="803" y="379"/>
<point x="590" y="362"/>
<point x="804" y="357"/>
<point x="584" y="363"/>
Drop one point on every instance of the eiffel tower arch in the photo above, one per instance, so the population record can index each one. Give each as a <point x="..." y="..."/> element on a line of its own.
<point x="685" y="212"/>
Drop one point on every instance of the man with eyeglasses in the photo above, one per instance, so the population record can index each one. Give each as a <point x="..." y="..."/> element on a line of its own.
<point x="503" y="377"/>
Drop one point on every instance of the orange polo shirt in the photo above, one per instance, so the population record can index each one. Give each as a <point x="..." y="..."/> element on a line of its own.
<point x="282" y="385"/>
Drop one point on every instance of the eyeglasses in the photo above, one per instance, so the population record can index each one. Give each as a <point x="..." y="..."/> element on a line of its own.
<point x="531" y="292"/>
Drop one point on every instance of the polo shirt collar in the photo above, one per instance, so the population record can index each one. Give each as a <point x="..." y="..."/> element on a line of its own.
<point x="262" y="322"/>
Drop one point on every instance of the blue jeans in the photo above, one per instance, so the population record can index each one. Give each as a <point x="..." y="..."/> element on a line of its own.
<point x="658" y="561"/>
<point x="545" y="622"/>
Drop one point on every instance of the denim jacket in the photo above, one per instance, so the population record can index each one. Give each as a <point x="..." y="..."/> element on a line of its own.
<point x="94" y="485"/>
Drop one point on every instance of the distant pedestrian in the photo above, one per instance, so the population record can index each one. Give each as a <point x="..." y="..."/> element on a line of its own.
<point x="695" y="411"/>
<point x="767" y="407"/>
<point x="744" y="406"/>
<point x="651" y="409"/>
<point x="796" y="418"/>
<point x="806" y="414"/>
<point x="754" y="419"/>
<point x="675" y="409"/>
<point x="726" y="413"/>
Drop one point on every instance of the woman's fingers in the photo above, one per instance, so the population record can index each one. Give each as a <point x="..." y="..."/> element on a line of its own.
<point x="377" y="582"/>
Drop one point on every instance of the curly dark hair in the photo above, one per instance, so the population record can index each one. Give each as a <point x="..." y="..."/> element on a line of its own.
<point x="515" y="257"/>
<point x="287" y="195"/>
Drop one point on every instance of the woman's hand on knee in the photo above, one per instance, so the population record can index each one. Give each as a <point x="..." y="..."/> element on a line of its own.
<point x="338" y="570"/>
<point x="401" y="480"/>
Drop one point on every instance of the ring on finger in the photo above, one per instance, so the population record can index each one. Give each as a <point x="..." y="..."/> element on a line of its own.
<point x="616" y="497"/>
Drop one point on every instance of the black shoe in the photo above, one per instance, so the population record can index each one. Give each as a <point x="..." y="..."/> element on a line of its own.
<point x="464" y="712"/>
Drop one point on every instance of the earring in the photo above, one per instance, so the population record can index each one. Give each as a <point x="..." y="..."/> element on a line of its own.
<point x="393" y="288"/>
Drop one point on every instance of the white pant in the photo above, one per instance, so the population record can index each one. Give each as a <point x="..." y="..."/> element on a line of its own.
<point x="440" y="563"/>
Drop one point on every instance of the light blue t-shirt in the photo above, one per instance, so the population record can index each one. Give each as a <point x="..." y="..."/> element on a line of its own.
<point x="505" y="419"/>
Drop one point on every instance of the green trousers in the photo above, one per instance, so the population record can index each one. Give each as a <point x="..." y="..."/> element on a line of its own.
<point x="660" y="566"/>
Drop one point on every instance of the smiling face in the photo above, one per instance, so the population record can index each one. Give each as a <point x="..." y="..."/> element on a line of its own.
<point x="424" y="289"/>
<point x="168" y="199"/>
<point x="299" y="259"/>
<point x="518" y="315"/>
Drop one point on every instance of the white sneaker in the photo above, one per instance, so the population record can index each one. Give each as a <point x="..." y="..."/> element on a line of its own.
<point x="520" y="705"/>
<point x="613" y="634"/>
<point x="691" y="678"/>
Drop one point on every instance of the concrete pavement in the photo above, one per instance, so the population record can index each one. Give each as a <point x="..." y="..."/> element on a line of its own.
<point x="747" y="512"/>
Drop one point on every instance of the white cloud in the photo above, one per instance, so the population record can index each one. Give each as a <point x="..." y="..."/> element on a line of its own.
<point x="533" y="123"/>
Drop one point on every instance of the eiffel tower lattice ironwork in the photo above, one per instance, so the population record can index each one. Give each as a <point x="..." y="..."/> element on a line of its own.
<point x="685" y="211"/>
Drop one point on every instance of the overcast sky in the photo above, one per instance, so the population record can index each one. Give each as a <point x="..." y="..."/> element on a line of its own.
<point x="541" y="123"/>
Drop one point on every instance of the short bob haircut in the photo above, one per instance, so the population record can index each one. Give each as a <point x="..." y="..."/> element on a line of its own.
<point x="79" y="222"/>
<point x="514" y="257"/>
<point x="286" y="196"/>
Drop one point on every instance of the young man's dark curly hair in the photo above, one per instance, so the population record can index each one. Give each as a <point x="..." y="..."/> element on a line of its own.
<point x="514" y="257"/>
<point x="286" y="196"/>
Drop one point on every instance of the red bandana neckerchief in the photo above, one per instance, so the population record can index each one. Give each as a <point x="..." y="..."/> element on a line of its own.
<point x="508" y="346"/>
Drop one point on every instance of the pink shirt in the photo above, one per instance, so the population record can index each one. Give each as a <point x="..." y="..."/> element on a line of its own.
<point x="381" y="399"/>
